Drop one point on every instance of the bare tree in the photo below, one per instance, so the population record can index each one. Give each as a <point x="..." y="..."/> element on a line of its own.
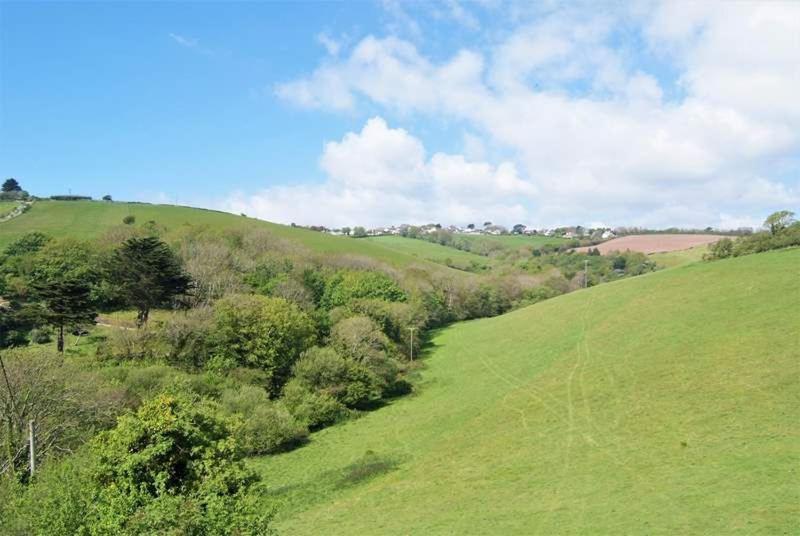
<point x="35" y="387"/>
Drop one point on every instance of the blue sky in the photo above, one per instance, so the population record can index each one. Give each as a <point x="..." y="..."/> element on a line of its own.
<point x="382" y="112"/>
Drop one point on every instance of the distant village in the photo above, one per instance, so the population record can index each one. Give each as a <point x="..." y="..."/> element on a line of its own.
<point x="488" y="228"/>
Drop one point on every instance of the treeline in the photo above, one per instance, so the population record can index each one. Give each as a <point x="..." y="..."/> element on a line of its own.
<point x="268" y="339"/>
<point x="782" y="231"/>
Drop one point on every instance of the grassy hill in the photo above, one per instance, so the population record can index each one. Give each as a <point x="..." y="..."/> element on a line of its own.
<point x="517" y="241"/>
<point x="429" y="251"/>
<point x="662" y="404"/>
<point x="90" y="219"/>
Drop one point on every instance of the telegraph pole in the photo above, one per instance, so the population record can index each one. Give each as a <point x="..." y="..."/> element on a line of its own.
<point x="585" y="273"/>
<point x="412" y="342"/>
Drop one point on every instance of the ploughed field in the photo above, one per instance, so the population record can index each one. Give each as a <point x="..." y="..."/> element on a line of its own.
<point x="654" y="243"/>
<point x="663" y="404"/>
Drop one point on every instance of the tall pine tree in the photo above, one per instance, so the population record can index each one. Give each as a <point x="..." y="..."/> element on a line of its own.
<point x="147" y="274"/>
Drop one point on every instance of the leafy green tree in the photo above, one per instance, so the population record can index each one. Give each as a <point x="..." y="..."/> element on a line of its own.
<point x="359" y="232"/>
<point x="147" y="274"/>
<point x="61" y="282"/>
<point x="11" y="185"/>
<point x="346" y="231"/>
<point x="261" y="332"/>
<point x="173" y="467"/>
<point x="778" y="221"/>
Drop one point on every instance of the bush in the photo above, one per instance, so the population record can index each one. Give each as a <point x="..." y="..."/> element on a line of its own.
<point x="173" y="466"/>
<point x="54" y="503"/>
<point x="349" y="285"/>
<point x="323" y="370"/>
<point x="129" y="219"/>
<point x="188" y="337"/>
<point x="312" y="409"/>
<point x="265" y="426"/>
<point x="27" y="243"/>
<point x="127" y="344"/>
<point x="40" y="336"/>
<point x="261" y="332"/>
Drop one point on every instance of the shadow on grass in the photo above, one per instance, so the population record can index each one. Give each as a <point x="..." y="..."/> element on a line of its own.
<point x="369" y="466"/>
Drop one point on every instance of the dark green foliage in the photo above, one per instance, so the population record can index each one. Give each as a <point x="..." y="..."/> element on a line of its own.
<point x="359" y="232"/>
<point x="782" y="237"/>
<point x="173" y="466"/>
<point x="27" y="243"/>
<point x="346" y="286"/>
<point x="147" y="274"/>
<point x="107" y="197"/>
<point x="130" y="219"/>
<point x="61" y="283"/>
<point x="11" y="185"/>
<point x="266" y="333"/>
<point x="721" y="249"/>
<point x="70" y="198"/>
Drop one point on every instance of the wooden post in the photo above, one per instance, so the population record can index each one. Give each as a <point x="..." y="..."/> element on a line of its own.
<point x="32" y="444"/>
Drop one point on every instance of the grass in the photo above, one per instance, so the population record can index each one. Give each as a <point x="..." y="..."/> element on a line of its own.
<point x="518" y="241"/>
<point x="432" y="252"/>
<point x="91" y="219"/>
<point x="662" y="404"/>
<point x="679" y="258"/>
<point x="6" y="207"/>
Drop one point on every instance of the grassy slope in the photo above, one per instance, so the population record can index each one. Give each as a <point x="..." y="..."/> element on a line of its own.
<point x="89" y="219"/>
<point x="663" y="404"/>
<point x="517" y="241"/>
<point x="429" y="251"/>
<point x="679" y="258"/>
<point x="6" y="207"/>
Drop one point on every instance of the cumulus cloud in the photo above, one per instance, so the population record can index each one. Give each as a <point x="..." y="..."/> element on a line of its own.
<point x="382" y="175"/>
<point x="590" y="130"/>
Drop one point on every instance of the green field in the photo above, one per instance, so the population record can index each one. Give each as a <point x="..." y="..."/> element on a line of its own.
<point x="517" y="241"/>
<point x="90" y="219"/>
<point x="6" y="207"/>
<point x="663" y="404"/>
<point x="679" y="258"/>
<point x="429" y="251"/>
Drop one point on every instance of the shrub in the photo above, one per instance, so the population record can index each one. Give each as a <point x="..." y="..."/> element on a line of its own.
<point x="127" y="344"/>
<point x="359" y="338"/>
<point x="312" y="409"/>
<point x="54" y="503"/>
<point x="173" y="466"/>
<point x="348" y="285"/>
<point x="265" y="426"/>
<point x="130" y="219"/>
<point x="352" y="384"/>
<point x="27" y="243"/>
<point x="188" y="337"/>
<point x="267" y="333"/>
<point x="40" y="335"/>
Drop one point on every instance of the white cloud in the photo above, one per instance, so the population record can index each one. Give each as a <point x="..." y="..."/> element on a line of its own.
<point x="332" y="46"/>
<point x="382" y="175"/>
<point x="591" y="133"/>
<point x="184" y="41"/>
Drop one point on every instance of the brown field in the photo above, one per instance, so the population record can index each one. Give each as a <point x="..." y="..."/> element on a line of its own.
<point x="654" y="243"/>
